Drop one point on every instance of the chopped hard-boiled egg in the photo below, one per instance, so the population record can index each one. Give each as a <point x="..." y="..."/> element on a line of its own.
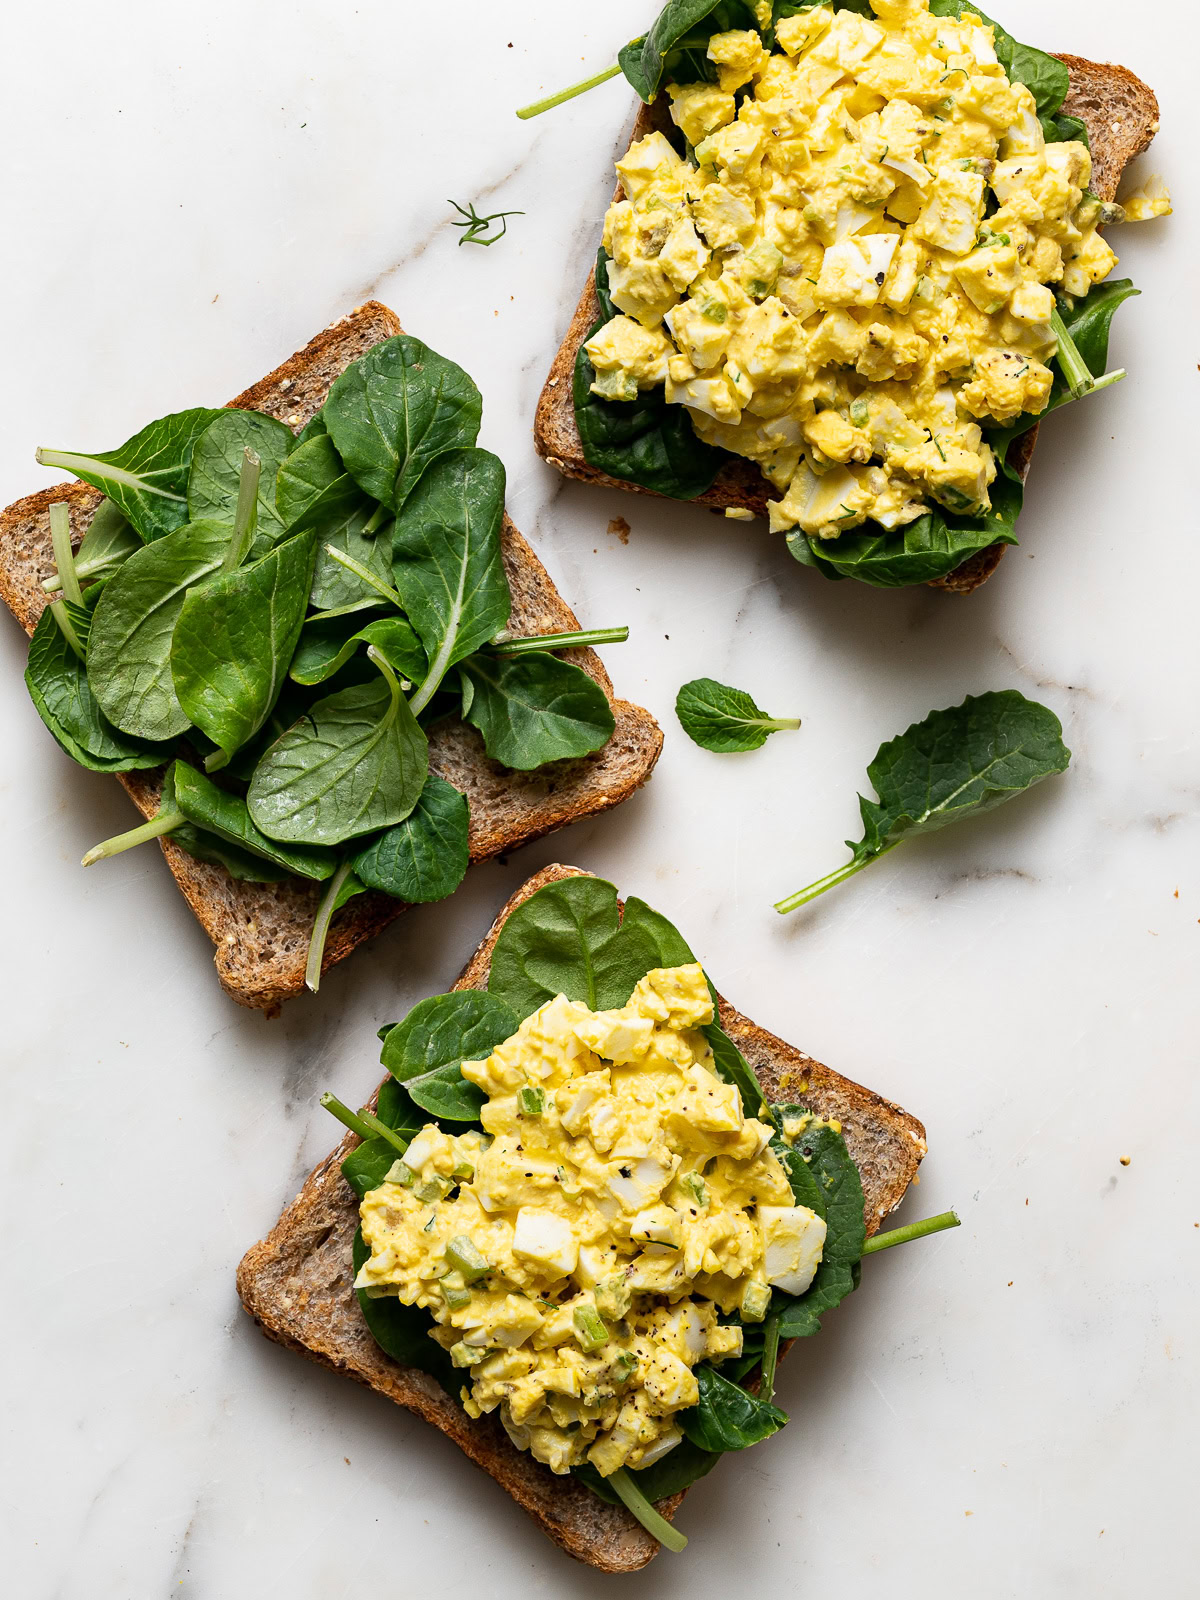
<point x="872" y="221"/>
<point x="576" y="1254"/>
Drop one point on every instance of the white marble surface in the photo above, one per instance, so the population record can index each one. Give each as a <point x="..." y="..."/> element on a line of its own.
<point x="1006" y="1410"/>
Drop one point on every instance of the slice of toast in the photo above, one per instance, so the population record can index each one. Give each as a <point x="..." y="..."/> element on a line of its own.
<point x="298" y="1283"/>
<point x="1121" y="115"/>
<point x="261" y="931"/>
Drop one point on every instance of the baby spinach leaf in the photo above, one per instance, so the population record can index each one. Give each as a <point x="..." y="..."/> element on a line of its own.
<point x="1046" y="78"/>
<point x="643" y="441"/>
<point x="326" y="644"/>
<point x="426" y="1051"/>
<point x="397" y="409"/>
<point x="234" y="639"/>
<point x="312" y="484"/>
<point x="227" y="817"/>
<point x="108" y="542"/>
<point x="732" y="1065"/>
<point x="726" y="1417"/>
<point x="314" y="490"/>
<point x="662" y="941"/>
<point x="240" y="864"/>
<point x="216" y="473"/>
<point x="355" y="763"/>
<point x="446" y="560"/>
<point x="58" y="686"/>
<point x="676" y="46"/>
<point x="424" y="857"/>
<point x="824" y="1178"/>
<point x="677" y="1470"/>
<point x="146" y="477"/>
<point x="935" y="544"/>
<point x="534" y="708"/>
<point x="402" y="1332"/>
<point x="312" y="429"/>
<point x="722" y="719"/>
<point x="334" y="586"/>
<point x="566" y="939"/>
<point x="129" y="651"/>
<point x="968" y="758"/>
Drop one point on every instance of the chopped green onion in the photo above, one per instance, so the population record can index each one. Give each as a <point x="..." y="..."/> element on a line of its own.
<point x="613" y="1296"/>
<point x="400" y="1172"/>
<point x="467" y="1355"/>
<point x="462" y="1253"/>
<point x="693" y="1184"/>
<point x="589" y="1327"/>
<point x="860" y="412"/>
<point x="456" y="1298"/>
<point x="431" y="1190"/>
<point x="756" y="1299"/>
<point x="531" y="1100"/>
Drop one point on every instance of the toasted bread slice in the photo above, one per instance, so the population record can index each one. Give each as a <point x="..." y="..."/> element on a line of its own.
<point x="261" y="931"/>
<point x="1121" y="114"/>
<point x="298" y="1284"/>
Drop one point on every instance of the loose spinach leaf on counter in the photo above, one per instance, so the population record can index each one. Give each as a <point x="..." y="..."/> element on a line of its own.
<point x="642" y="441"/>
<point x="424" y="857"/>
<point x="129" y="651"/>
<point x="58" y="686"/>
<point x="355" y="763"/>
<point x="533" y="709"/>
<point x="720" y="718"/>
<point x="146" y="477"/>
<point x="395" y="411"/>
<point x="234" y="639"/>
<point x="968" y="758"/>
<point x="216" y="472"/>
<point x="446" y="560"/>
<point x="327" y="644"/>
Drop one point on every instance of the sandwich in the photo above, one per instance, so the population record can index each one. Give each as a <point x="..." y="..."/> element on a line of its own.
<point x="216" y="618"/>
<point x="583" y="1216"/>
<point x="855" y="256"/>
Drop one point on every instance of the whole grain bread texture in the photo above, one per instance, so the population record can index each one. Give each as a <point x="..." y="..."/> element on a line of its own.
<point x="298" y="1282"/>
<point x="1121" y="115"/>
<point x="261" y="931"/>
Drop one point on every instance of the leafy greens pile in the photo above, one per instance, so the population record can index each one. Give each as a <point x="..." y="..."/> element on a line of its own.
<point x="272" y="601"/>
<point x="570" y="938"/>
<point x="966" y="759"/>
<point x="651" y="443"/>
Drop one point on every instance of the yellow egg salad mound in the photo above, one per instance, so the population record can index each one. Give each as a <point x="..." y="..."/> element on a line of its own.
<point x="576" y="1253"/>
<point x="826" y="289"/>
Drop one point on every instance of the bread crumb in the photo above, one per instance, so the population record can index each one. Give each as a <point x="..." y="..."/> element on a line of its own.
<point x="1125" y="1160"/>
<point x="553" y="383"/>
<point x="554" y="461"/>
<point x="739" y="513"/>
<point x="286" y="383"/>
<point x="621" y="528"/>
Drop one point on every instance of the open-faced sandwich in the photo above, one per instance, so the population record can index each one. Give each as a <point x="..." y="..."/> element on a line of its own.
<point x="854" y="257"/>
<point x="583" y="1216"/>
<point x="323" y="663"/>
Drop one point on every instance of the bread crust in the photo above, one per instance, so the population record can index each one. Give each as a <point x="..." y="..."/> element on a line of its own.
<point x="297" y="1283"/>
<point x="260" y="931"/>
<point x="1121" y="115"/>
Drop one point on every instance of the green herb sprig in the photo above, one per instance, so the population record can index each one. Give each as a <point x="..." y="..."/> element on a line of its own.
<point x="475" y="227"/>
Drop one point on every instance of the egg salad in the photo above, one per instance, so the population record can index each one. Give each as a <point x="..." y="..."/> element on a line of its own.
<point x="850" y="279"/>
<point x="578" y="1253"/>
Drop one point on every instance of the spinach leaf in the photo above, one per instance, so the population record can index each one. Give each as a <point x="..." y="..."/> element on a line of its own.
<point x="424" y="857"/>
<point x="326" y="644"/>
<point x="234" y="639"/>
<point x="661" y="940"/>
<point x="732" y="1065"/>
<point x="534" y="708"/>
<point x="446" y="560"/>
<point x="216" y="473"/>
<point x="568" y="939"/>
<point x="723" y="719"/>
<point x="824" y="1178"/>
<point x="368" y="1164"/>
<point x="356" y="762"/>
<point x="312" y="485"/>
<point x="315" y="491"/>
<point x="1046" y="78"/>
<point x="676" y="46"/>
<point x="58" y="686"/>
<point x="928" y="548"/>
<point x="108" y="542"/>
<point x="146" y="477"/>
<point x="402" y="1332"/>
<point x="1088" y="322"/>
<point x="643" y="441"/>
<point x="335" y="587"/>
<point x="726" y="1417"/>
<point x="226" y="816"/>
<point x="426" y="1051"/>
<point x="240" y="864"/>
<point x="397" y="409"/>
<point x="677" y="1470"/>
<point x="968" y="758"/>
<point x="129" y="651"/>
